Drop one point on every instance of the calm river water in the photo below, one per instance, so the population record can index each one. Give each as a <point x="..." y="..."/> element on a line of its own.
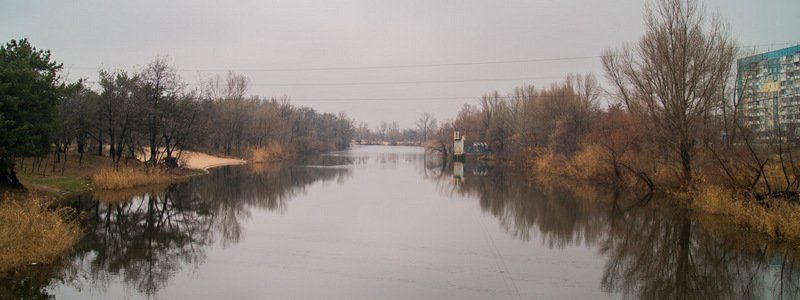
<point x="388" y="222"/>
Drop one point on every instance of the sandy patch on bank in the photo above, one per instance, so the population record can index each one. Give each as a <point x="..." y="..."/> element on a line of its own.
<point x="202" y="161"/>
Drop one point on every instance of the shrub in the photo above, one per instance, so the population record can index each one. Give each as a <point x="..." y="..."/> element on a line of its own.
<point x="109" y="179"/>
<point x="547" y="163"/>
<point x="32" y="233"/>
<point x="589" y="163"/>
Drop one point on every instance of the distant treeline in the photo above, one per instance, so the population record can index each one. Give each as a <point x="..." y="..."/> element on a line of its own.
<point x="150" y="114"/>
<point x="554" y="118"/>
<point x="153" y="109"/>
<point x="390" y="132"/>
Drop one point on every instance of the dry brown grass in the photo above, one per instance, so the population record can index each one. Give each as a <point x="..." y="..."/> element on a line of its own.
<point x="776" y="217"/>
<point x="545" y="163"/>
<point x="272" y="152"/>
<point x="590" y="163"/>
<point x="110" y="179"/>
<point x="32" y="233"/>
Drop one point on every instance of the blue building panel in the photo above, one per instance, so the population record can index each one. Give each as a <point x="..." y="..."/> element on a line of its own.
<point x="768" y="85"/>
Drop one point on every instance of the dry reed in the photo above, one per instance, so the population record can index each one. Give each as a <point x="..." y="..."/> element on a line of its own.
<point x="272" y="152"/>
<point x="32" y="233"/>
<point x="109" y="179"/>
<point x="774" y="217"/>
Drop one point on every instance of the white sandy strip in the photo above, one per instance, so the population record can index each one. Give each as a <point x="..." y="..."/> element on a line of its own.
<point x="202" y="161"/>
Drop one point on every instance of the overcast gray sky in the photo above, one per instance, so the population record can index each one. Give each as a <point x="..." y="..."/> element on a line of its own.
<point x="251" y="36"/>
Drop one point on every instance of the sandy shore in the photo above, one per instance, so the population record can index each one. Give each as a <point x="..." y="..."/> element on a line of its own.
<point x="202" y="161"/>
<point x="199" y="160"/>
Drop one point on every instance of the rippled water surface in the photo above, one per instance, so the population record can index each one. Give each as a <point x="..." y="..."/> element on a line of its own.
<point x="389" y="222"/>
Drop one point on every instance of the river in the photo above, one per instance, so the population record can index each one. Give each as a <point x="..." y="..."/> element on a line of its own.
<point x="379" y="222"/>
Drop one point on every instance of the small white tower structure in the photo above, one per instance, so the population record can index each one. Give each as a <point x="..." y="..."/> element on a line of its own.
<point x="458" y="144"/>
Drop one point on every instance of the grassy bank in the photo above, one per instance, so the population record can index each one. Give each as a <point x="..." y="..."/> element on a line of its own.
<point x="73" y="177"/>
<point x="30" y="232"/>
<point x="93" y="173"/>
<point x="774" y="217"/>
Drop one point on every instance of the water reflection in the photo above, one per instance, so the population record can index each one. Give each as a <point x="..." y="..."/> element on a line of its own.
<point x="150" y="236"/>
<point x="146" y="240"/>
<point x="652" y="251"/>
<point x="423" y="240"/>
<point x="561" y="215"/>
<point x="657" y="255"/>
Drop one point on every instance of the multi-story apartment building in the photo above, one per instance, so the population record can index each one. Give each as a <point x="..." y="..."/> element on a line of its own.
<point x="768" y="90"/>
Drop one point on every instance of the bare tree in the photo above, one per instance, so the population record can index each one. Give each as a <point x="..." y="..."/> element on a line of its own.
<point x="179" y="126"/>
<point x="393" y="133"/>
<point x="443" y="139"/>
<point x="363" y="133"/>
<point x="426" y="125"/>
<point x="118" y="110"/>
<point x="381" y="130"/>
<point x="555" y="117"/>
<point x="674" y="74"/>
<point x="228" y="97"/>
<point x="161" y="86"/>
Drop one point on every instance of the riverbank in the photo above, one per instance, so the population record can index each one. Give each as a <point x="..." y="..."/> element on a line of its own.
<point x="75" y="177"/>
<point x="38" y="232"/>
<point x="31" y="233"/>
<point x="775" y="217"/>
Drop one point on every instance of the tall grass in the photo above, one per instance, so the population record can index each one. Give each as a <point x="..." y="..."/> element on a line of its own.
<point x="110" y="179"/>
<point x="32" y="233"/>
<point x="272" y="152"/>
<point x="774" y="217"/>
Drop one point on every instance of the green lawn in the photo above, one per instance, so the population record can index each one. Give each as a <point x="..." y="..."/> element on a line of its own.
<point x="56" y="183"/>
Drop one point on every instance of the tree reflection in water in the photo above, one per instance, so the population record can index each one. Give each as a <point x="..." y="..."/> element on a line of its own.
<point x="657" y="254"/>
<point x="650" y="250"/>
<point x="147" y="238"/>
<point x="653" y="251"/>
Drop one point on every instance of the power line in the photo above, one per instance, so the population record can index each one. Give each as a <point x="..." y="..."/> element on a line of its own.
<point x="433" y="65"/>
<point x="380" y="67"/>
<point x="379" y="99"/>
<point x="393" y="82"/>
<point x="404" y="82"/>
<point x="409" y="66"/>
<point x="425" y="98"/>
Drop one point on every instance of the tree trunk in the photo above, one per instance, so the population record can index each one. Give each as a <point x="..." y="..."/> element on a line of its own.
<point x="153" y="146"/>
<point x="686" y="163"/>
<point x="64" y="164"/>
<point x="100" y="143"/>
<point x="9" y="178"/>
